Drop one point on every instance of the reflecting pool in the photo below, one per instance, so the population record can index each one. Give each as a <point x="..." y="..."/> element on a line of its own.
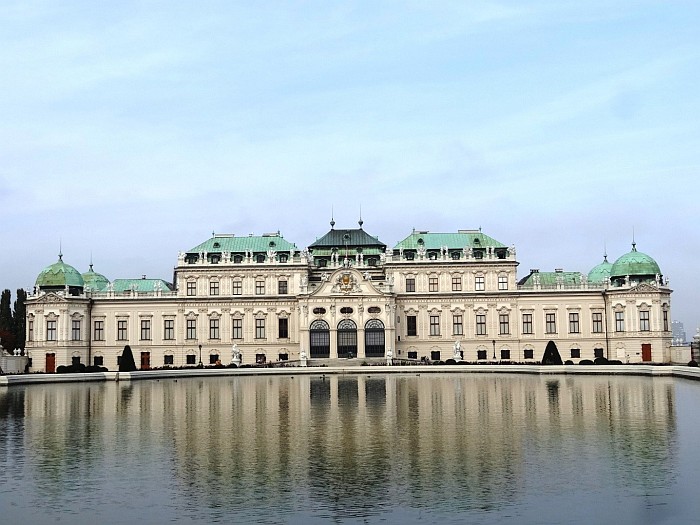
<point x="477" y="448"/>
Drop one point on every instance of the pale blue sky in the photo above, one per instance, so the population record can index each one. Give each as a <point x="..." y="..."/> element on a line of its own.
<point x="131" y="130"/>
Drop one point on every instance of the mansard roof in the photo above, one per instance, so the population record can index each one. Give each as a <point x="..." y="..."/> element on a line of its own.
<point x="254" y="243"/>
<point x="353" y="238"/>
<point x="459" y="240"/>
<point x="551" y="278"/>
<point x="141" y="285"/>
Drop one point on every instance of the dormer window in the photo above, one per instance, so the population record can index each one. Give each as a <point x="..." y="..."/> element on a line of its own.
<point x="238" y="259"/>
<point x="260" y="258"/>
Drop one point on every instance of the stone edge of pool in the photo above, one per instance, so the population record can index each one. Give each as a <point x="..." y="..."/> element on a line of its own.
<point x="637" y="370"/>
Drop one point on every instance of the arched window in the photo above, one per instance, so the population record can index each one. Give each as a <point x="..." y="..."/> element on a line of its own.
<point x="320" y="339"/>
<point x="374" y="338"/>
<point x="347" y="338"/>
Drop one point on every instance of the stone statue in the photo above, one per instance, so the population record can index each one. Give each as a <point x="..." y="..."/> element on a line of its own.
<point x="457" y="350"/>
<point x="235" y="355"/>
<point x="303" y="358"/>
<point x="389" y="356"/>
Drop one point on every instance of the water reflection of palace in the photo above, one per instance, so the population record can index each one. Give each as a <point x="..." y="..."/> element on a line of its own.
<point x="352" y="440"/>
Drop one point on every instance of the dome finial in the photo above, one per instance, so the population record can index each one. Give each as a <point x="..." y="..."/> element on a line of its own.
<point x="634" y="244"/>
<point x="360" y="222"/>
<point x="60" y="250"/>
<point x="332" y="219"/>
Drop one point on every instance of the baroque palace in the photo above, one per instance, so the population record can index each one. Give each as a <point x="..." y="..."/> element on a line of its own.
<point x="433" y="296"/>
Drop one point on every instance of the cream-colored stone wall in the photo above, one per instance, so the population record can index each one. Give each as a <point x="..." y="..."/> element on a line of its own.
<point x="444" y="288"/>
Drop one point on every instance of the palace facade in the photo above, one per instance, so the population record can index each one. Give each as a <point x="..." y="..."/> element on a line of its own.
<point x="432" y="296"/>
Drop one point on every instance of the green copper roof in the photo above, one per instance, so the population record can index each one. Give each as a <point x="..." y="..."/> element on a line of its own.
<point x="141" y="285"/>
<point x="453" y="241"/>
<point x="233" y="244"/>
<point x="634" y="263"/>
<point x="59" y="274"/>
<point x="552" y="279"/>
<point x="95" y="281"/>
<point x="357" y="238"/>
<point x="601" y="272"/>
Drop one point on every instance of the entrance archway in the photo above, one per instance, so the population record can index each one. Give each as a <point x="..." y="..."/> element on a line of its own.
<point x="320" y="340"/>
<point x="347" y="338"/>
<point x="374" y="338"/>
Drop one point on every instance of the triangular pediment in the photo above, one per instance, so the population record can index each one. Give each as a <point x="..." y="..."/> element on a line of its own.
<point x="49" y="297"/>
<point x="643" y="288"/>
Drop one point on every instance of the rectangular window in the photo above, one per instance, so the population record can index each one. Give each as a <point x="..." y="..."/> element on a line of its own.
<point x="121" y="330"/>
<point x="619" y="321"/>
<point x="411" y="325"/>
<point x="192" y="329"/>
<point x="410" y="284"/>
<point x="479" y="283"/>
<point x="480" y="324"/>
<point x="505" y="354"/>
<point x="191" y="359"/>
<point x="575" y="353"/>
<point x="237" y="329"/>
<point x="481" y="354"/>
<point x="99" y="331"/>
<point x="597" y="323"/>
<point x="213" y="329"/>
<point x="168" y="359"/>
<point x="260" y="329"/>
<point x="528" y="353"/>
<point x="434" y="325"/>
<point x="283" y="328"/>
<point x="527" y="323"/>
<point x="50" y="330"/>
<point x="237" y="288"/>
<point x="259" y="287"/>
<point x="145" y="329"/>
<point x="597" y="352"/>
<point x="435" y="355"/>
<point x="574" y="327"/>
<point x="213" y="358"/>
<point x="665" y="320"/>
<point x="457" y="326"/>
<point x="282" y="287"/>
<point x="213" y="287"/>
<point x="75" y="330"/>
<point x="502" y="282"/>
<point x="456" y="283"/>
<point x="504" y="324"/>
<point x="98" y="360"/>
<point x="433" y="284"/>
<point x="30" y="331"/>
<point x="169" y="329"/>
<point x="191" y="288"/>
<point x="413" y="355"/>
<point x="550" y="323"/>
<point x="644" y="325"/>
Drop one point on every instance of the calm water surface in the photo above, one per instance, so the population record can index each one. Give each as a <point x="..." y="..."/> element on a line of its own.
<point x="479" y="448"/>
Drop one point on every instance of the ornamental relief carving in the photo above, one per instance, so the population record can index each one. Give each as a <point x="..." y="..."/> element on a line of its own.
<point x="346" y="283"/>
